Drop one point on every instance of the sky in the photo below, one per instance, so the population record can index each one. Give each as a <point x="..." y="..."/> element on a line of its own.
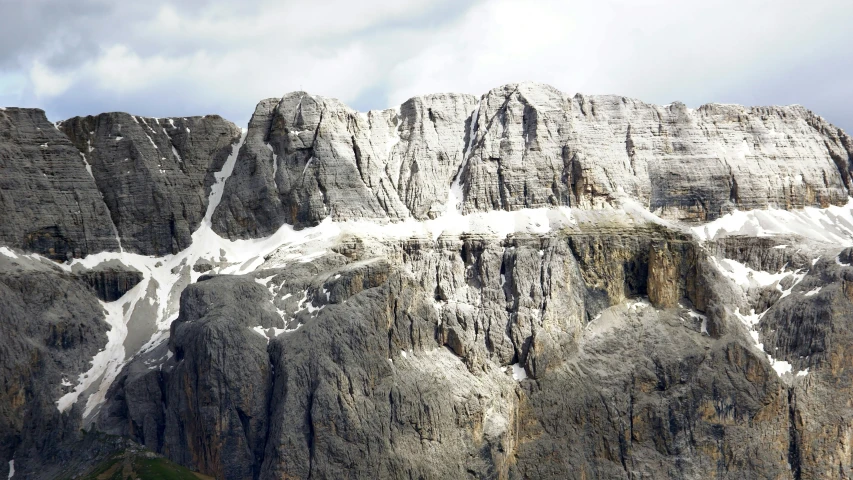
<point x="195" y="57"/>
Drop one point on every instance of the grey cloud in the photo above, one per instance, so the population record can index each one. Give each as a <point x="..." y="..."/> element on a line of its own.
<point x="223" y="56"/>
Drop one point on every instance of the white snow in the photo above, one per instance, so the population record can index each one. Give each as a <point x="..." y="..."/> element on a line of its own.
<point x="696" y="315"/>
<point x="11" y="462"/>
<point x="177" y="155"/>
<point x="85" y="162"/>
<point x="403" y="354"/>
<point x="638" y="304"/>
<point x="8" y="252"/>
<point x="206" y="244"/>
<point x="832" y="225"/>
<point x="782" y="367"/>
<point x="262" y="332"/>
<point x="747" y="277"/>
<point x="813" y="292"/>
<point x="803" y="373"/>
<point x="518" y="372"/>
<point x="107" y="362"/>
<point x="152" y="141"/>
<point x="751" y="322"/>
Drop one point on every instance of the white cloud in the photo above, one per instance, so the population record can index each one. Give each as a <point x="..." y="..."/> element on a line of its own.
<point x="217" y="56"/>
<point x="655" y="50"/>
<point x="46" y="82"/>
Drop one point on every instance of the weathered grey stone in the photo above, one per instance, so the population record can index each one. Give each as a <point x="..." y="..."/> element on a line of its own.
<point x="526" y="146"/>
<point x="401" y="366"/>
<point x="308" y="157"/>
<point x="49" y="203"/>
<point x="110" y="282"/>
<point x="51" y="325"/>
<point x="605" y="349"/>
<point x="155" y="174"/>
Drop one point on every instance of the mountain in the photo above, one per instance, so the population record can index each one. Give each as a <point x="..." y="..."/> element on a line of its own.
<point x="524" y="284"/>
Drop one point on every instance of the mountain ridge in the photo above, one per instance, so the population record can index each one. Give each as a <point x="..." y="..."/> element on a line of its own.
<point x="412" y="292"/>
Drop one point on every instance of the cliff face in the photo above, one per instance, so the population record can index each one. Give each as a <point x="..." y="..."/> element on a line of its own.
<point x="535" y="147"/>
<point x="49" y="203"/>
<point x="307" y="158"/>
<point x="522" y="285"/>
<point x="155" y="173"/>
<point x="526" y="146"/>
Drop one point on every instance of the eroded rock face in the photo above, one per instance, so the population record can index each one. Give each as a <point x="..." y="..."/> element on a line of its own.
<point x="155" y="174"/>
<point x="406" y="359"/>
<point x="110" y="282"/>
<point x="536" y="147"/>
<point x="811" y="328"/>
<point x="51" y="325"/>
<point x="613" y="345"/>
<point x="308" y="157"/>
<point x="49" y="203"/>
<point x="526" y="146"/>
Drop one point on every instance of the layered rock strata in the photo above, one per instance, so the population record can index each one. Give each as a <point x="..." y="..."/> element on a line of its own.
<point x="155" y="173"/>
<point x="526" y="146"/>
<point x="49" y="203"/>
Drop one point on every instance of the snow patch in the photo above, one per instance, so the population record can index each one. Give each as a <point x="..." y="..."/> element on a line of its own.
<point x="177" y="155"/>
<point x="639" y="304"/>
<point x="106" y="363"/>
<point x="518" y="372"/>
<point x="747" y="277"/>
<point x="813" y="292"/>
<point x="781" y="367"/>
<point x="832" y="225"/>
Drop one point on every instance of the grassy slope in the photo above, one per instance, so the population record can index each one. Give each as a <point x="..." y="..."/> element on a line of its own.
<point x="130" y="465"/>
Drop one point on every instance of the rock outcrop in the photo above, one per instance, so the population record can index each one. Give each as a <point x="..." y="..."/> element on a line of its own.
<point x="49" y="203"/>
<point x="446" y="358"/>
<point x="155" y="173"/>
<point x="307" y="158"/>
<point x="110" y="282"/>
<point x="51" y="325"/>
<point x="526" y="146"/>
<point x="534" y="146"/>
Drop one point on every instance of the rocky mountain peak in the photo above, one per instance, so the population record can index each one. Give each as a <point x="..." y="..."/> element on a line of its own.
<point x="522" y="285"/>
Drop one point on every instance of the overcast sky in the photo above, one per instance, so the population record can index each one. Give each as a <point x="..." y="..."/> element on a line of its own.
<point x="194" y="57"/>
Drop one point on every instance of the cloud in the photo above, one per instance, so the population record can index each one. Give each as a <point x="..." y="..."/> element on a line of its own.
<point x="46" y="82"/>
<point x="215" y="56"/>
